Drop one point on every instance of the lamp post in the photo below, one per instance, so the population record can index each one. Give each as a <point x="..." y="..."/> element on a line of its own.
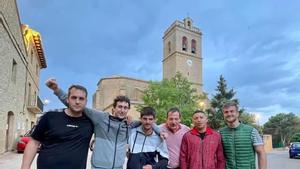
<point x="257" y="117"/>
<point x="46" y="102"/>
<point x="201" y="105"/>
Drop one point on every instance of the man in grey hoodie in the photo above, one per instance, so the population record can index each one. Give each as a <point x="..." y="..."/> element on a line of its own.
<point x="111" y="131"/>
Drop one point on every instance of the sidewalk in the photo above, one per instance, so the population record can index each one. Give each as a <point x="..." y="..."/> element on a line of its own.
<point x="277" y="159"/>
<point x="12" y="160"/>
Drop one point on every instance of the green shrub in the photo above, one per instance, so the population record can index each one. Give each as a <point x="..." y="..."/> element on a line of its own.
<point x="295" y="137"/>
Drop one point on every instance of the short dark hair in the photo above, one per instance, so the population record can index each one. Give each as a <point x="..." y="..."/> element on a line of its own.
<point x="173" y="110"/>
<point x="121" y="98"/>
<point x="199" y="111"/>
<point x="79" y="87"/>
<point x="148" y="111"/>
<point x="229" y="104"/>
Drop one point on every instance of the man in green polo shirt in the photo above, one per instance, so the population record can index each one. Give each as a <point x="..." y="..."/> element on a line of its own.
<point x="241" y="142"/>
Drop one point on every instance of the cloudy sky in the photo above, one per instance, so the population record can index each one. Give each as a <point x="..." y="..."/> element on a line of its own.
<point x="254" y="44"/>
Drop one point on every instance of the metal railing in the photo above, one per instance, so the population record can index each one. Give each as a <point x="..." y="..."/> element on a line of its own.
<point x="35" y="103"/>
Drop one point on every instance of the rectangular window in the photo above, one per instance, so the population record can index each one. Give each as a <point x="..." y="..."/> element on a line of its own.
<point x="37" y="69"/>
<point x="31" y="56"/>
<point x="32" y="124"/>
<point x="34" y="101"/>
<point x="29" y="95"/>
<point x="14" y="71"/>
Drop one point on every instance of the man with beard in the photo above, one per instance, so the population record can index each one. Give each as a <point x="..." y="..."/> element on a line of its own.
<point x="147" y="150"/>
<point x="201" y="147"/>
<point x="64" y="136"/>
<point x="175" y="131"/>
<point x="241" y="141"/>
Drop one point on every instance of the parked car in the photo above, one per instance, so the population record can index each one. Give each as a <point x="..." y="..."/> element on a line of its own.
<point x="23" y="140"/>
<point x="294" y="149"/>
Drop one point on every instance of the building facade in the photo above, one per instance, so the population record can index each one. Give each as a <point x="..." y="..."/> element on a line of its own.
<point x="110" y="87"/>
<point x="14" y="72"/>
<point x="35" y="62"/>
<point x="181" y="53"/>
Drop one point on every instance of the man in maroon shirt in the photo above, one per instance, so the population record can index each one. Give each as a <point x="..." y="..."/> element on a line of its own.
<point x="201" y="147"/>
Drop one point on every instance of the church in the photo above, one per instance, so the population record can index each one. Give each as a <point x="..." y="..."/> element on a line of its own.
<point x="182" y="53"/>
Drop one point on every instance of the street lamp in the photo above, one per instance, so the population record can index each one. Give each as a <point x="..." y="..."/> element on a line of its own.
<point x="257" y="117"/>
<point x="46" y="102"/>
<point x="201" y="105"/>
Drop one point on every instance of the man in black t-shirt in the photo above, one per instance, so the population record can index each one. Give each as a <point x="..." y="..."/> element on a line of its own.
<point x="64" y="136"/>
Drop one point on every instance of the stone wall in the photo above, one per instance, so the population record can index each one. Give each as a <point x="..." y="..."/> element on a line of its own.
<point x="268" y="142"/>
<point x="109" y="88"/>
<point x="12" y="75"/>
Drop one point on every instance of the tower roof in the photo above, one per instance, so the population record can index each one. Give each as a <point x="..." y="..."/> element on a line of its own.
<point x="120" y="77"/>
<point x="186" y="24"/>
<point x="35" y="37"/>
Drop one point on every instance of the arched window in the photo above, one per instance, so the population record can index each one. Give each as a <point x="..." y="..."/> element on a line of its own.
<point x="189" y="24"/>
<point x="193" y="46"/>
<point x="184" y="43"/>
<point x="169" y="47"/>
<point x="9" y="130"/>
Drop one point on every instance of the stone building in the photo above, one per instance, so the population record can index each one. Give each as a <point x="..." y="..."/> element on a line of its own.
<point x="16" y="72"/>
<point x="181" y="53"/>
<point x="111" y="87"/>
<point x="35" y="62"/>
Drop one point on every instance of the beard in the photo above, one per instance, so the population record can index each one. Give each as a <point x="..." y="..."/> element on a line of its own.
<point x="231" y="119"/>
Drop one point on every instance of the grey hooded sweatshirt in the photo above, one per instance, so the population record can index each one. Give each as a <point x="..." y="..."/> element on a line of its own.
<point x="111" y="135"/>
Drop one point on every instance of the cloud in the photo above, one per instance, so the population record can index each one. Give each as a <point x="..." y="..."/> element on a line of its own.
<point x="254" y="44"/>
<point x="268" y="111"/>
<point x="259" y="56"/>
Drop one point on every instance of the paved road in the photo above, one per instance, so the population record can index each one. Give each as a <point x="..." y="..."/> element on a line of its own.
<point x="277" y="159"/>
<point x="13" y="160"/>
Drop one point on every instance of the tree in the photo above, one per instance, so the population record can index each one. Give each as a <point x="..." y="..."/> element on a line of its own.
<point x="176" y="92"/>
<point x="249" y="119"/>
<point x="295" y="138"/>
<point x="282" y="126"/>
<point x="223" y="95"/>
<point x="215" y="114"/>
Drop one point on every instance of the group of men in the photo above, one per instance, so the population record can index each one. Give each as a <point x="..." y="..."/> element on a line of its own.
<point x="64" y="136"/>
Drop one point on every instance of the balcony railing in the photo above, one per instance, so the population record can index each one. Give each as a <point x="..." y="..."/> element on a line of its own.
<point x="35" y="104"/>
<point x="40" y="104"/>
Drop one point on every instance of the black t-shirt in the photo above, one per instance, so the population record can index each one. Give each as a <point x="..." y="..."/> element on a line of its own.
<point x="64" y="140"/>
<point x="202" y="135"/>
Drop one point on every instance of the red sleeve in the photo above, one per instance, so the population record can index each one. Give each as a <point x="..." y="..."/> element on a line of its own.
<point x="220" y="156"/>
<point x="184" y="163"/>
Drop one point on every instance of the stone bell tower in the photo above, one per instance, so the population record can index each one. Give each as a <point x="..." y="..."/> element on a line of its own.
<point x="182" y="52"/>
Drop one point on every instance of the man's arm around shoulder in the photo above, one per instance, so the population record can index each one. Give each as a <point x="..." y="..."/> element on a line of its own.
<point x="91" y="113"/>
<point x="29" y="153"/>
<point x="62" y="96"/>
<point x="162" y="163"/>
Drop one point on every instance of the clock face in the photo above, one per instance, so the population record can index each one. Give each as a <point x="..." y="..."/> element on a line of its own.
<point x="189" y="62"/>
